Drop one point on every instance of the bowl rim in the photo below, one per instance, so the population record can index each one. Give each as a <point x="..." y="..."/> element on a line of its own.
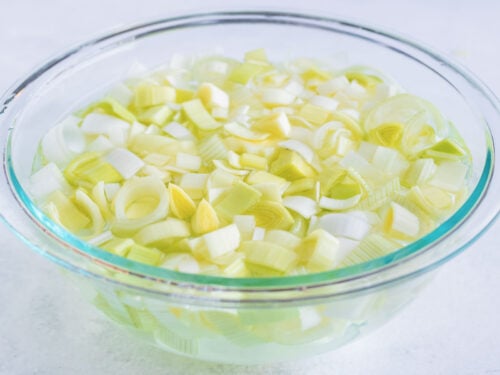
<point x="314" y="280"/>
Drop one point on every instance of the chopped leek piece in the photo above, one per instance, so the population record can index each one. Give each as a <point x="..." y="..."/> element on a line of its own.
<point x="87" y="205"/>
<point x="380" y="196"/>
<point x="291" y="166"/>
<point x="241" y="131"/>
<point x="256" y="56"/>
<point x="119" y="246"/>
<point x="276" y="123"/>
<point x="47" y="180"/>
<point x="205" y="218"/>
<point x="88" y="169"/>
<point x="314" y="114"/>
<point x="373" y="246"/>
<point x="143" y="254"/>
<point x="319" y="251"/>
<point x="388" y="134"/>
<point x="419" y="172"/>
<point x="366" y="80"/>
<point x="212" y="96"/>
<point x="300" y="148"/>
<point x="245" y="72"/>
<point x="239" y="199"/>
<point x="63" y="142"/>
<point x="446" y="149"/>
<point x="222" y="241"/>
<point x="162" y="233"/>
<point x="271" y="215"/>
<point x="252" y="161"/>
<point x="199" y="116"/>
<point x="304" y="206"/>
<point x="157" y="115"/>
<point x="181" y="203"/>
<point x="113" y="107"/>
<point x="194" y="184"/>
<point x="152" y="95"/>
<point x="345" y="225"/>
<point x="276" y="97"/>
<point x="449" y="175"/>
<point x="268" y="255"/>
<point x="399" y="222"/>
<point x="139" y="202"/>
<point x="282" y="238"/>
<point x="67" y="213"/>
<point x="124" y="161"/>
<point x="212" y="148"/>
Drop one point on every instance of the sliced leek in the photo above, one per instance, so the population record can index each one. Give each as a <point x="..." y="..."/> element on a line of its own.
<point x="250" y="168"/>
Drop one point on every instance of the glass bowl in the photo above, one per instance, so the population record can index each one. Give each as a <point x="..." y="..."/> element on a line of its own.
<point x="246" y="320"/>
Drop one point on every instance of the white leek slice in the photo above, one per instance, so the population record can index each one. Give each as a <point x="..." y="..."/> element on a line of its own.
<point x="324" y="102"/>
<point x="86" y="204"/>
<point x="121" y="93"/>
<point x="100" y="144"/>
<point x="100" y="238"/>
<point x="139" y="202"/>
<point x="381" y="196"/>
<point x="188" y="162"/>
<point x="222" y="241"/>
<point x="241" y="131"/>
<point x="319" y="250"/>
<point x="63" y="142"/>
<point x="221" y="179"/>
<point x="259" y="234"/>
<point x="162" y="233"/>
<point x="233" y="159"/>
<point x="194" y="184"/>
<point x="47" y="180"/>
<point x="212" y="148"/>
<point x="282" y="238"/>
<point x="273" y="97"/>
<point x="212" y="96"/>
<point x="299" y="147"/>
<point x="345" y="225"/>
<point x="389" y="160"/>
<point x="304" y="206"/>
<point x="270" y="191"/>
<point x="181" y="262"/>
<point x="199" y="116"/>
<point x="334" y="85"/>
<point x="96" y="123"/>
<point x="373" y="246"/>
<point x="268" y="255"/>
<point x="237" y="172"/>
<point x="276" y="123"/>
<point x="214" y="193"/>
<point x="400" y="222"/>
<point x="449" y="175"/>
<point x="294" y="87"/>
<point x="178" y="131"/>
<point x="246" y="225"/>
<point x="339" y="204"/>
<point x="320" y="134"/>
<point x="110" y="189"/>
<point x="419" y="172"/>
<point x="124" y="161"/>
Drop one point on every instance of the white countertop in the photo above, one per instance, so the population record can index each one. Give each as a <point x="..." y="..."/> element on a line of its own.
<point x="452" y="328"/>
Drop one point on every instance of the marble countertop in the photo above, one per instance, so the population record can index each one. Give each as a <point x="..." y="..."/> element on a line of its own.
<point x="452" y="327"/>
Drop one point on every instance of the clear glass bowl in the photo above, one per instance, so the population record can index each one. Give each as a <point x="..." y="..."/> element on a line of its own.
<point x="260" y="319"/>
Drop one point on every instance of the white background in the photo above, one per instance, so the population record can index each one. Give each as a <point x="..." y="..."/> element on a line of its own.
<point x="452" y="328"/>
